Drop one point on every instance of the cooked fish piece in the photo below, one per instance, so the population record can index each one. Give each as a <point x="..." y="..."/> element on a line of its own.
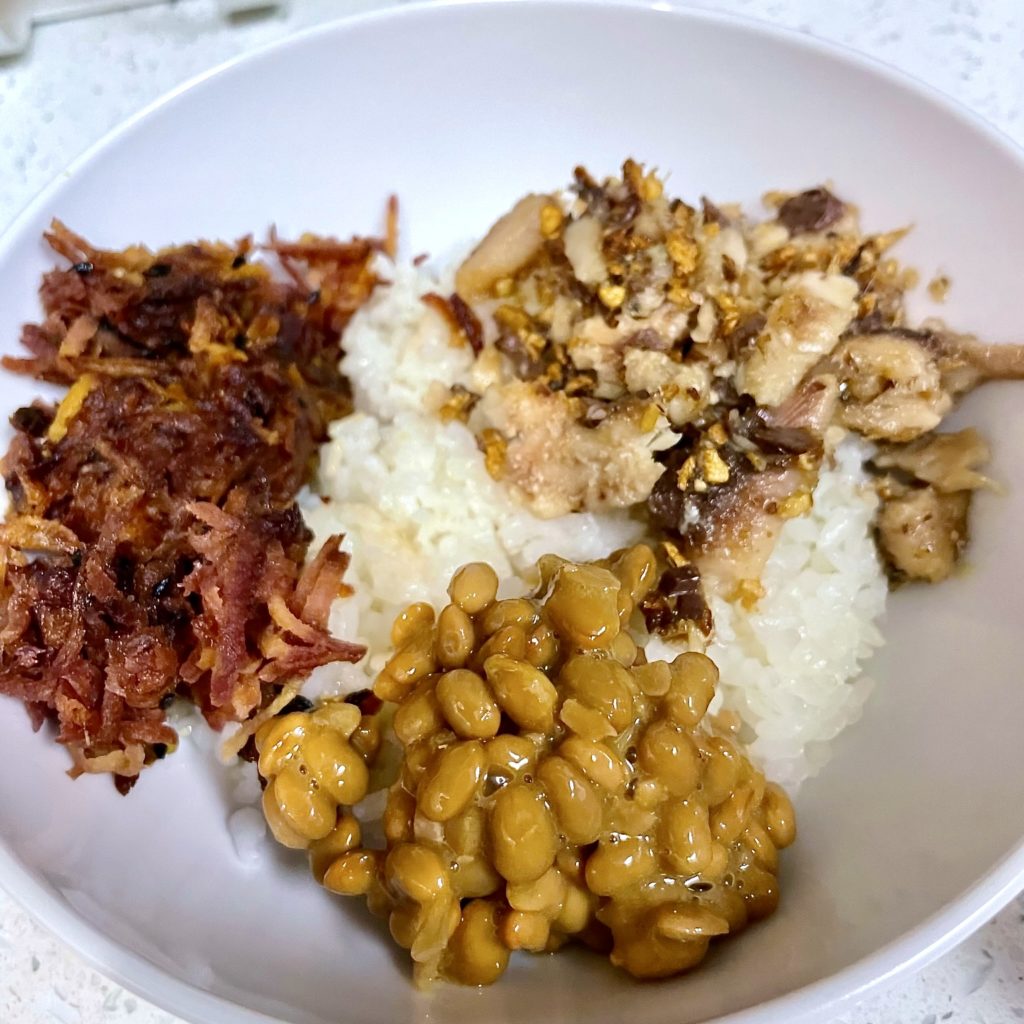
<point x="965" y="362"/>
<point x="510" y="244"/>
<point x="804" y="323"/>
<point x="809" y="411"/>
<point x="682" y="389"/>
<point x="757" y="345"/>
<point x="536" y="443"/>
<point x="923" y="532"/>
<point x="926" y="489"/>
<point x="740" y="524"/>
<point x="728" y="520"/>
<point x="898" y="384"/>
<point x="603" y="348"/>
<point x="583" y="239"/>
<point x="948" y="462"/>
<point x="890" y="386"/>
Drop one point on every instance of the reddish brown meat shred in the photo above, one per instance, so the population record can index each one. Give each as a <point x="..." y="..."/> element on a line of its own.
<point x="153" y="546"/>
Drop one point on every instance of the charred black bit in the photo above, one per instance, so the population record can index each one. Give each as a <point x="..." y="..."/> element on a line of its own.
<point x="238" y="261"/>
<point x="252" y="755"/>
<point x="813" y="210"/>
<point x="159" y="751"/>
<point x="890" y="476"/>
<point x="124" y="783"/>
<point x="587" y="188"/>
<point x="82" y="267"/>
<point x="712" y="214"/>
<point x="678" y="599"/>
<point x="366" y="700"/>
<point x="158" y="270"/>
<point x="31" y="420"/>
<point x="744" y="439"/>
<point x="667" y="503"/>
<point x="682" y="585"/>
<point x="297" y="703"/>
<point x="15" y="488"/>
<point x="611" y="210"/>
<point x="784" y="440"/>
<point x="124" y="573"/>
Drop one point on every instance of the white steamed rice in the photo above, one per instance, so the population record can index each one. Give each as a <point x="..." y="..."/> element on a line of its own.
<point x="415" y="502"/>
<point x="411" y="493"/>
<point x="791" y="667"/>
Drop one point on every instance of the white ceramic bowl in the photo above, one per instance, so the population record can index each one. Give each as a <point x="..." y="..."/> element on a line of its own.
<point x="913" y="833"/>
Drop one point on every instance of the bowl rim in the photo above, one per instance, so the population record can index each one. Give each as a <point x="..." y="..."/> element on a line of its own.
<point x="909" y="953"/>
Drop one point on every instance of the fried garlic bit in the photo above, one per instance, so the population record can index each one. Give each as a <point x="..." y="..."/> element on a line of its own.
<point x="554" y="785"/>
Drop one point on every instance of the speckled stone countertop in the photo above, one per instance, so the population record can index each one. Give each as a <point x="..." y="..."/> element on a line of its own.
<point x="79" y="79"/>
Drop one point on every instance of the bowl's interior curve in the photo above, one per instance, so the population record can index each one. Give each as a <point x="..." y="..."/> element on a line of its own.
<point x="460" y="110"/>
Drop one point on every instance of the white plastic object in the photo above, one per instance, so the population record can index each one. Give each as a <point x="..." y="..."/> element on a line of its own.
<point x="18" y="16"/>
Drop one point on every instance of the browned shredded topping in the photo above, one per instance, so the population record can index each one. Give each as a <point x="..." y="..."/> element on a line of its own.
<point x="153" y="548"/>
